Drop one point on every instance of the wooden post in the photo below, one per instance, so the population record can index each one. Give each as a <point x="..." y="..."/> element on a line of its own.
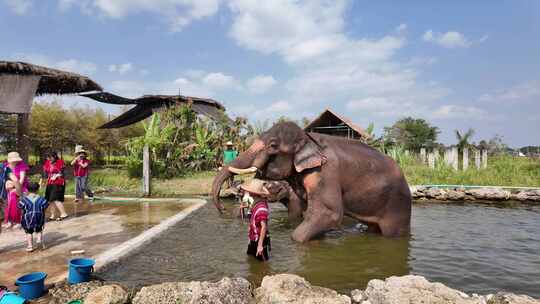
<point x="147" y="174"/>
<point x="455" y="158"/>
<point x="484" y="159"/>
<point x="431" y="160"/>
<point x="22" y="135"/>
<point x="448" y="156"/>
<point x="465" y="158"/>
<point x="423" y="155"/>
<point x="477" y="159"/>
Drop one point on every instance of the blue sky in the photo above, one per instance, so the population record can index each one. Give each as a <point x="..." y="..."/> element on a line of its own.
<point x="458" y="64"/>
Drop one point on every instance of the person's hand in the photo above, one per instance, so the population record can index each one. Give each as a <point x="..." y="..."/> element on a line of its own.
<point x="259" y="250"/>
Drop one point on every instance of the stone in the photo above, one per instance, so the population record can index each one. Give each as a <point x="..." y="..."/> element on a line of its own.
<point x="63" y="293"/>
<point x="455" y="195"/>
<point x="433" y="192"/>
<point x="226" y="291"/>
<point x="411" y="289"/>
<point x="108" y="294"/>
<point x="292" y="289"/>
<point x="357" y="296"/>
<point x="489" y="194"/>
<point x="510" y="298"/>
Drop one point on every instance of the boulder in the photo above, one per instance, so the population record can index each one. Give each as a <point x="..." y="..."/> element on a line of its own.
<point x="226" y="291"/>
<point x="455" y="195"/>
<point x="491" y="194"/>
<point x="63" y="293"/>
<point x="510" y="298"/>
<point x="108" y="294"/>
<point x="358" y="296"/>
<point x="433" y="192"/>
<point x="412" y="289"/>
<point x="289" y="288"/>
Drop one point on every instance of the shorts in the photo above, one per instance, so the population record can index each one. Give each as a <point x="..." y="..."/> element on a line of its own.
<point x="55" y="193"/>
<point x="252" y="249"/>
<point x="33" y="230"/>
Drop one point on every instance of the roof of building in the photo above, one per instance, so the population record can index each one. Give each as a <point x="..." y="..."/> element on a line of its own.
<point x="329" y="118"/>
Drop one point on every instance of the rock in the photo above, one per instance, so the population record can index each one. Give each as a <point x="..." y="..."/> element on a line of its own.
<point x="108" y="294"/>
<point x="66" y="292"/>
<point x="289" y="288"/>
<point x="433" y="192"/>
<point x="489" y="194"/>
<point x="455" y="195"/>
<point x="357" y="296"/>
<point x="226" y="291"/>
<point x="415" y="289"/>
<point x="510" y="298"/>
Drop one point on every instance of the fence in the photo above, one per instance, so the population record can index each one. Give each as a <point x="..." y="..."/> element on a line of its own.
<point x="452" y="158"/>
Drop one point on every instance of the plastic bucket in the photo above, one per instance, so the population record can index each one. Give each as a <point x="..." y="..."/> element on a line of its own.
<point x="31" y="285"/>
<point x="11" y="298"/>
<point x="80" y="270"/>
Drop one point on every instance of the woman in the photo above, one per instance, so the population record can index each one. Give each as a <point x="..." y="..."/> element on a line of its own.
<point x="19" y="168"/>
<point x="53" y="170"/>
<point x="5" y="176"/>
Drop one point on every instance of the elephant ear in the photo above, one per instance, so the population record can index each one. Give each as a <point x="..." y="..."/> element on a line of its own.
<point x="308" y="155"/>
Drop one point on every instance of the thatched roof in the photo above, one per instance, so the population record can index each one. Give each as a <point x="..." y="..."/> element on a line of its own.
<point x="52" y="81"/>
<point x="146" y="105"/>
<point x="332" y="123"/>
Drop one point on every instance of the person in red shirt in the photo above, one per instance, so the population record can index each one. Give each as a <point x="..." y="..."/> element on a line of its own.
<point x="53" y="171"/>
<point x="259" y="238"/>
<point x="81" y="166"/>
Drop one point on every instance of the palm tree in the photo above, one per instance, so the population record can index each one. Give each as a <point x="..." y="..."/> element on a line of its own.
<point x="464" y="139"/>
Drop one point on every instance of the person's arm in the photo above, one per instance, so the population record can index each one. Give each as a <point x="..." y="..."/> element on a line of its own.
<point x="23" y="175"/>
<point x="262" y="235"/>
<point x="75" y="159"/>
<point x="84" y="164"/>
<point x="15" y="181"/>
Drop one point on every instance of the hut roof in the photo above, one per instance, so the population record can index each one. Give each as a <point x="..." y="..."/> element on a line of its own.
<point x="146" y="105"/>
<point x="329" y="118"/>
<point x="52" y="81"/>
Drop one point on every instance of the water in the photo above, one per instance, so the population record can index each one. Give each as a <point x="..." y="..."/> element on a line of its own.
<point x="474" y="248"/>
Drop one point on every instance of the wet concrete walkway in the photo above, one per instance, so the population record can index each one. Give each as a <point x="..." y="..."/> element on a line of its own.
<point x="96" y="228"/>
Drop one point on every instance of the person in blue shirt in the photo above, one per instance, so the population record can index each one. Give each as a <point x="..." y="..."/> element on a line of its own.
<point x="33" y="209"/>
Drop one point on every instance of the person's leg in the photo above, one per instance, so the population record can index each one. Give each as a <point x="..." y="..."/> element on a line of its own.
<point x="29" y="242"/>
<point x="87" y="188"/>
<point x="60" y="206"/>
<point x="40" y="242"/>
<point x="79" y="195"/>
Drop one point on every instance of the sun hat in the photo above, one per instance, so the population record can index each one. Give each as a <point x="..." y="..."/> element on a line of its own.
<point x="255" y="186"/>
<point x="13" y="157"/>
<point x="229" y="143"/>
<point x="79" y="149"/>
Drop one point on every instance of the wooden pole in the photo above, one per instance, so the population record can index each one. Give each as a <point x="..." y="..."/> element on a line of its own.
<point x="465" y="158"/>
<point x="23" y="144"/>
<point x="423" y="155"/>
<point x="455" y="158"/>
<point x="477" y="159"/>
<point x="147" y="174"/>
<point x="484" y="159"/>
<point x="431" y="160"/>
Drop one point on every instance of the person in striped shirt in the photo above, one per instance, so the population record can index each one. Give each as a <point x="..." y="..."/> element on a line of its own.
<point x="259" y="236"/>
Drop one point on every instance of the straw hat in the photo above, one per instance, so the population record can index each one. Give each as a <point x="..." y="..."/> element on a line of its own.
<point x="229" y="143"/>
<point x="79" y="149"/>
<point x="255" y="186"/>
<point x="13" y="157"/>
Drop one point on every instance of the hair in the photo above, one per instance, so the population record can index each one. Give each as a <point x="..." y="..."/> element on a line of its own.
<point x="53" y="154"/>
<point x="33" y="187"/>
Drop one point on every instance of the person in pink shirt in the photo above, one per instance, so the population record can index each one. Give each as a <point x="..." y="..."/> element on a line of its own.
<point x="259" y="238"/>
<point x="12" y="214"/>
<point x="19" y="168"/>
<point x="81" y="167"/>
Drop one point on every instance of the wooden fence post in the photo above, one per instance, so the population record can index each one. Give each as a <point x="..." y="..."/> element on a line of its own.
<point x="455" y="158"/>
<point x="423" y="155"/>
<point x="447" y="160"/>
<point x="477" y="159"/>
<point x="465" y="158"/>
<point x="147" y="174"/>
<point x="431" y="160"/>
<point x="484" y="159"/>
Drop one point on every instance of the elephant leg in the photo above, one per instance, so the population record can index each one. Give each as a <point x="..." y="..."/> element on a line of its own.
<point x="295" y="206"/>
<point x="324" y="211"/>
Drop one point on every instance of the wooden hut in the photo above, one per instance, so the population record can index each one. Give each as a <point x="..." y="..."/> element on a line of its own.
<point x="21" y="81"/>
<point x="146" y="105"/>
<point x="329" y="122"/>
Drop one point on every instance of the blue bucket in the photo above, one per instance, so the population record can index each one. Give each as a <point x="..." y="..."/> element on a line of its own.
<point x="32" y="285"/>
<point x="80" y="270"/>
<point x="11" y="298"/>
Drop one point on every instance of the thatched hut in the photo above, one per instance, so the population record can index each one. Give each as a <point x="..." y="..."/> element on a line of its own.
<point x="146" y="105"/>
<point x="21" y="81"/>
<point x="331" y="123"/>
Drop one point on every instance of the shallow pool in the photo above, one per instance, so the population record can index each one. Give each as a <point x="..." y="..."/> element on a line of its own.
<point x="474" y="248"/>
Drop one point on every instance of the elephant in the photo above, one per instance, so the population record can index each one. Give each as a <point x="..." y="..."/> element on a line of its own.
<point x="330" y="177"/>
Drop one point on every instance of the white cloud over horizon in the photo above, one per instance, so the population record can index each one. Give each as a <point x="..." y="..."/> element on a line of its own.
<point x="451" y="39"/>
<point x="527" y="91"/>
<point x="19" y="7"/>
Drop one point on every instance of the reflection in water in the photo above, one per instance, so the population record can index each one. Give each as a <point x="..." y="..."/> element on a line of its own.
<point x="473" y="248"/>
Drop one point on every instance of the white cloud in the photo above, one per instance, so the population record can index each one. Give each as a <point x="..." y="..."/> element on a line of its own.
<point x="449" y="39"/>
<point x="178" y="13"/>
<point x="525" y="92"/>
<point x="260" y="84"/>
<point x="280" y="106"/>
<point x="19" y="7"/>
<point x="458" y="112"/>
<point x="121" y="68"/>
<point x="70" y="65"/>
<point x="219" y="81"/>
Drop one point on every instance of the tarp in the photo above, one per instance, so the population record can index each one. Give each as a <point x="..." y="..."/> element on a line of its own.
<point x="17" y="93"/>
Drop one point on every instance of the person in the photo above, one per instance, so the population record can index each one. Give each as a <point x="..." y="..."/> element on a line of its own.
<point x="81" y="165"/>
<point x="33" y="208"/>
<point x="12" y="213"/>
<point x="19" y="168"/>
<point x="6" y="175"/>
<point x="53" y="170"/>
<point x="229" y="154"/>
<point x="259" y="237"/>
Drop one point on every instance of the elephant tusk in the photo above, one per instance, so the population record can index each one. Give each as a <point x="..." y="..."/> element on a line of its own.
<point x="242" y="171"/>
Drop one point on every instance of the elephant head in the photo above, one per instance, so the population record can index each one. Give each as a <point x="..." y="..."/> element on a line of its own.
<point x="282" y="151"/>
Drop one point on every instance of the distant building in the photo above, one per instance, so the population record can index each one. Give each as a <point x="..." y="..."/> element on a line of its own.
<point x="333" y="124"/>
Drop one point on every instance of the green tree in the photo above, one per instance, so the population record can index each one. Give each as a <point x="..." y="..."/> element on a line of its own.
<point x="463" y="139"/>
<point x="411" y="133"/>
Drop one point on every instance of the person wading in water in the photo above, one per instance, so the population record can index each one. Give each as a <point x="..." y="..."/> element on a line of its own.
<point x="259" y="237"/>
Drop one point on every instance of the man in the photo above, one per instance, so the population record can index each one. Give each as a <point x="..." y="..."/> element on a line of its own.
<point x="229" y="154"/>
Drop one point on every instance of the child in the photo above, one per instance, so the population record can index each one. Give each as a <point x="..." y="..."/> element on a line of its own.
<point x="12" y="213"/>
<point x="33" y="219"/>
<point x="259" y="237"/>
<point x="80" y="170"/>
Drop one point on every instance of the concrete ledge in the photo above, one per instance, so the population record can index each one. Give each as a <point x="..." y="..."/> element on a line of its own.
<point x="124" y="249"/>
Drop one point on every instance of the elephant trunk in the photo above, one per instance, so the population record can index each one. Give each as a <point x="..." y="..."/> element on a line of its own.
<point x="243" y="161"/>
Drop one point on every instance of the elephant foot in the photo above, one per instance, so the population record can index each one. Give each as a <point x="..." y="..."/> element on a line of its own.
<point x="314" y="226"/>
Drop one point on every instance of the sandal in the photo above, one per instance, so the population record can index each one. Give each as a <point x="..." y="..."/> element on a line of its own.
<point x="52" y="218"/>
<point x="29" y="249"/>
<point x="62" y="217"/>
